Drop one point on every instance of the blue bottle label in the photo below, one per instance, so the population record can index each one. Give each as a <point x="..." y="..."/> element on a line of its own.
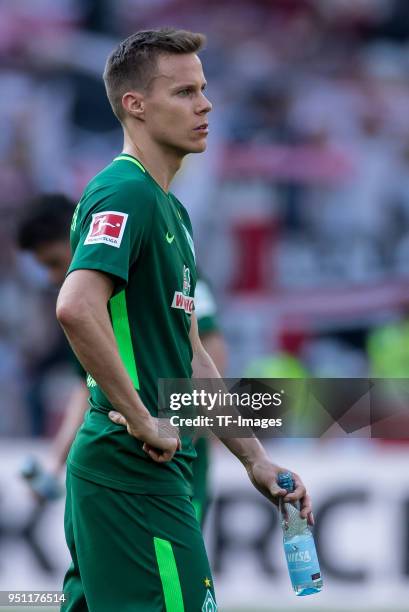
<point x="302" y="560"/>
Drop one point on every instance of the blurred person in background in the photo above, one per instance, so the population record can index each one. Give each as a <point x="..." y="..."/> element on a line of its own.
<point x="387" y="349"/>
<point x="44" y="232"/>
<point x="132" y="247"/>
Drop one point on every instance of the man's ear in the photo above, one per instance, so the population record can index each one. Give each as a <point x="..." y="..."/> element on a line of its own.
<point x="133" y="103"/>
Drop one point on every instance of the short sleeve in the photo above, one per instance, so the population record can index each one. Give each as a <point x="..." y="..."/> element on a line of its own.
<point x="114" y="227"/>
<point x="205" y="308"/>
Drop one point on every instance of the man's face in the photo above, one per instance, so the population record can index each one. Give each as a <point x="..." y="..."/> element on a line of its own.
<point x="175" y="105"/>
<point x="56" y="258"/>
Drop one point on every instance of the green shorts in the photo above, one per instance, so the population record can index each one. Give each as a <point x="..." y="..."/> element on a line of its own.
<point x="200" y="480"/>
<point x="133" y="553"/>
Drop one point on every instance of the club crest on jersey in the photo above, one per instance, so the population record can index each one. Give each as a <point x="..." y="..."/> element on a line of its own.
<point x="181" y="299"/>
<point x="107" y="228"/>
<point x="209" y="604"/>
<point x="186" y="280"/>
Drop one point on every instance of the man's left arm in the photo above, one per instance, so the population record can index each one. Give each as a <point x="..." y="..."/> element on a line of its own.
<point x="261" y="471"/>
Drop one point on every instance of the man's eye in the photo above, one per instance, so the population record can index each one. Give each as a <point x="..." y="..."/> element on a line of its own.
<point x="184" y="92"/>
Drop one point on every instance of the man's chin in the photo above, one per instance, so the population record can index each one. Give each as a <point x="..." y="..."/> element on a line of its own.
<point x="199" y="147"/>
<point x="192" y="147"/>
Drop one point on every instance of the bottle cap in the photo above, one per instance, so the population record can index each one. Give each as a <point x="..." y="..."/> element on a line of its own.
<point x="285" y="480"/>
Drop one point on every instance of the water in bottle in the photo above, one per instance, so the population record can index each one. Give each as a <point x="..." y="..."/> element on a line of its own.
<point x="299" y="545"/>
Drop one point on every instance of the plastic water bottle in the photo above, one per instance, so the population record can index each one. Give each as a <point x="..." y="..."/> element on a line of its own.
<point x="45" y="485"/>
<point x="299" y="545"/>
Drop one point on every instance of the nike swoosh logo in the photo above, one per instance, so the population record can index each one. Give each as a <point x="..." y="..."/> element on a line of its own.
<point x="169" y="237"/>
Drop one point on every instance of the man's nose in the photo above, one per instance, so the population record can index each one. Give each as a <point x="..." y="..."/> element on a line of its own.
<point x="205" y="106"/>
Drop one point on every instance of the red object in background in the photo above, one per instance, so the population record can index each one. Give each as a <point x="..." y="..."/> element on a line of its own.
<point x="385" y="431"/>
<point x="292" y="340"/>
<point x="306" y="164"/>
<point x="254" y="243"/>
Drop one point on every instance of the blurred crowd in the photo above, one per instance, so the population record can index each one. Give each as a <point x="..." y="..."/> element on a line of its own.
<point x="300" y="206"/>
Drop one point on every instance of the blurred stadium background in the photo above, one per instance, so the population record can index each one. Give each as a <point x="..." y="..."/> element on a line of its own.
<point x="301" y="214"/>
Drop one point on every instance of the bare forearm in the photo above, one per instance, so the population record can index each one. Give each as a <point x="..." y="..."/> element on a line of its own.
<point x="91" y="336"/>
<point x="203" y="366"/>
<point x="247" y="450"/>
<point x="261" y="471"/>
<point x="215" y="347"/>
<point x="73" y="417"/>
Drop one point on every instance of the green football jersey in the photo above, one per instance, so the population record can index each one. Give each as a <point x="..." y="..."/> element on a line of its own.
<point x="126" y="226"/>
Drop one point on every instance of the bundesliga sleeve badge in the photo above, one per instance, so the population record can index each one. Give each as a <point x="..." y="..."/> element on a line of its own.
<point x="107" y="228"/>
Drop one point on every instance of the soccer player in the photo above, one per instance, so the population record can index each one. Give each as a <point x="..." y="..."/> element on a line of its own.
<point x="43" y="231"/>
<point x="127" y="309"/>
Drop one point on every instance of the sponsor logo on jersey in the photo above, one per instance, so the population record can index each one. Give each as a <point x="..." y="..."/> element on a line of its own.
<point x="169" y="237"/>
<point x="181" y="299"/>
<point x="107" y="228"/>
<point x="183" y="302"/>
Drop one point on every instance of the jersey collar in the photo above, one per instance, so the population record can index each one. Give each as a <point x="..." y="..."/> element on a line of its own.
<point x="130" y="158"/>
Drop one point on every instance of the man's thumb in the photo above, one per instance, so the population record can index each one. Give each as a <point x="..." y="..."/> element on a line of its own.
<point x="116" y="417"/>
<point x="277" y="491"/>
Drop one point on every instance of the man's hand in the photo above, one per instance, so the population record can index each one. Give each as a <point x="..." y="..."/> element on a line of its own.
<point x="160" y="449"/>
<point x="263" y="474"/>
<point x="43" y="483"/>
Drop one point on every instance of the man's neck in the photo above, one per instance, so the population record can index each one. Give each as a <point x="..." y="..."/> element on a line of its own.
<point x="161" y="164"/>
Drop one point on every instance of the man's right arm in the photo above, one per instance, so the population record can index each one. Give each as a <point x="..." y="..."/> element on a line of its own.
<point x="82" y="310"/>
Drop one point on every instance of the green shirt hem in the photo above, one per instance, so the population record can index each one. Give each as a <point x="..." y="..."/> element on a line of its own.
<point x="99" y="266"/>
<point x="152" y="488"/>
